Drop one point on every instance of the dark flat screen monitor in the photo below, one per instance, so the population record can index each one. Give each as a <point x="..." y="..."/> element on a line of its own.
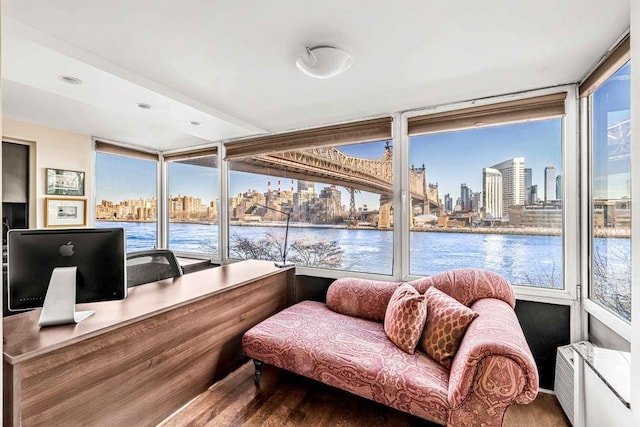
<point x="99" y="256"/>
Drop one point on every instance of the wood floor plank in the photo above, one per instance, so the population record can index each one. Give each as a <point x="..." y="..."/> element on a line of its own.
<point x="287" y="399"/>
<point x="544" y="411"/>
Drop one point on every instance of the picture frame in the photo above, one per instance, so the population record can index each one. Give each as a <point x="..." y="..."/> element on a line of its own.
<point x="65" y="212"/>
<point x="62" y="182"/>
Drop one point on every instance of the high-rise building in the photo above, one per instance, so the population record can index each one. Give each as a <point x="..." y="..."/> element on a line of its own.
<point x="512" y="172"/>
<point x="331" y="198"/>
<point x="476" y="202"/>
<point x="549" y="183"/>
<point x="559" y="187"/>
<point x="534" y="194"/>
<point x="527" y="186"/>
<point x="301" y="200"/>
<point x="306" y="186"/>
<point x="465" y="197"/>
<point x="448" y="202"/>
<point x="492" y="191"/>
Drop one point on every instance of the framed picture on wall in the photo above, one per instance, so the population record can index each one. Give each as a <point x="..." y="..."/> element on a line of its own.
<point x="65" y="183"/>
<point x="65" y="212"/>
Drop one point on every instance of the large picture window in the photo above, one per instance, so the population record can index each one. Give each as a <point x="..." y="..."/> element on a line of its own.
<point x="126" y="196"/>
<point x="193" y="203"/>
<point x="610" y="218"/>
<point x="489" y="195"/>
<point x="339" y="199"/>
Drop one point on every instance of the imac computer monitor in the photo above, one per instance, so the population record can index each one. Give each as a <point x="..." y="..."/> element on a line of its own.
<point x="55" y="269"/>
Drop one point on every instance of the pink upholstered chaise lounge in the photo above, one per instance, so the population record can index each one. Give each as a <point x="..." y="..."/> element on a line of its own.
<point x="343" y="344"/>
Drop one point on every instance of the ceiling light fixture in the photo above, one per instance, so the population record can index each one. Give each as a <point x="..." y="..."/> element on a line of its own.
<point x="323" y="62"/>
<point x="144" y="106"/>
<point x="194" y="123"/>
<point x="70" y="79"/>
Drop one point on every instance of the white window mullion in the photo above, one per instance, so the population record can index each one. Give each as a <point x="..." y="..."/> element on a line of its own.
<point x="161" y="205"/>
<point x="223" y="206"/>
<point x="402" y="197"/>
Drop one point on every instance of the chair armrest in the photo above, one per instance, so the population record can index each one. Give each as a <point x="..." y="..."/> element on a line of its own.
<point x="494" y="364"/>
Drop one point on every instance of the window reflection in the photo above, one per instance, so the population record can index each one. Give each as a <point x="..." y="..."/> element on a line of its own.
<point x="611" y="194"/>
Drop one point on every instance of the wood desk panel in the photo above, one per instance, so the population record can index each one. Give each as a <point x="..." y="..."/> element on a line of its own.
<point x="140" y="371"/>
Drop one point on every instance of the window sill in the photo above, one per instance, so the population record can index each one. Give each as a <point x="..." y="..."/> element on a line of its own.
<point x="613" y="367"/>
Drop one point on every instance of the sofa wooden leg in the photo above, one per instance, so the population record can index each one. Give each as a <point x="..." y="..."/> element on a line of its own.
<point x="258" y="374"/>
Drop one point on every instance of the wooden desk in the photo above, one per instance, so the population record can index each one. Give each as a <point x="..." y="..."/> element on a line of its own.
<point x="191" y="265"/>
<point x="137" y="361"/>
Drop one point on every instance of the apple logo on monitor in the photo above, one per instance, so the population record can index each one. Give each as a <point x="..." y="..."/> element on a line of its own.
<point x="66" y="250"/>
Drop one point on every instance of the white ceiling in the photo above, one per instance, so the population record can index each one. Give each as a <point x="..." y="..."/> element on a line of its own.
<point x="230" y="64"/>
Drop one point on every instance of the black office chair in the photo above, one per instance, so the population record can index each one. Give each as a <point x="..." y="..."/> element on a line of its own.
<point x="150" y="266"/>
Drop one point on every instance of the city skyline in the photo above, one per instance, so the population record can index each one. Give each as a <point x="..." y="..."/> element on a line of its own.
<point x="451" y="159"/>
<point x="457" y="157"/>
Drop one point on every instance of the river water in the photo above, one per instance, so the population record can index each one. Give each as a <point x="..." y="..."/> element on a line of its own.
<point x="522" y="259"/>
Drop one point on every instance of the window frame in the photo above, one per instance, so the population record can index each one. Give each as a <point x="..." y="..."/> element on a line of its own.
<point x="615" y="58"/>
<point x="164" y="185"/>
<point x="393" y="120"/>
<point x="570" y="183"/>
<point x="129" y="151"/>
<point x="401" y="229"/>
<point x="590" y="306"/>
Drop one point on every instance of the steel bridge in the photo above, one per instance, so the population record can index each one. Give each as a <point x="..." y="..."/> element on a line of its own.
<point x="332" y="166"/>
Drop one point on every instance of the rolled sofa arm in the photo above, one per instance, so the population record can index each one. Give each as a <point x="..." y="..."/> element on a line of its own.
<point x="363" y="298"/>
<point x="493" y="367"/>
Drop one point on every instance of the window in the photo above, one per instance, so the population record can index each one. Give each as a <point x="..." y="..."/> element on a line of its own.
<point x="334" y="185"/>
<point x="126" y="196"/>
<point x="610" y="216"/>
<point x="193" y="202"/>
<point x="489" y="195"/>
<point x="339" y="200"/>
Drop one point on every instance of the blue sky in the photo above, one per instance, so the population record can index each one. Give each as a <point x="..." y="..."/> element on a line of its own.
<point x="121" y="178"/>
<point x="190" y="180"/>
<point x="451" y="158"/>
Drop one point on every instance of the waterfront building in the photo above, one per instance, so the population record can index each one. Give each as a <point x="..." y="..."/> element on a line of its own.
<point x="448" y="202"/>
<point x="492" y="194"/>
<point x="187" y="208"/>
<point x="527" y="186"/>
<point x="534" y="194"/>
<point x="512" y="172"/>
<point x="612" y="213"/>
<point x="548" y="216"/>
<point x="306" y="186"/>
<point x="559" y="187"/>
<point x="331" y="202"/>
<point x="549" y="183"/>
<point x="306" y="192"/>
<point x="465" y="197"/>
<point x="476" y="202"/>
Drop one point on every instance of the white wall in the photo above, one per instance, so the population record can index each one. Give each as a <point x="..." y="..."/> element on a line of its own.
<point x="52" y="148"/>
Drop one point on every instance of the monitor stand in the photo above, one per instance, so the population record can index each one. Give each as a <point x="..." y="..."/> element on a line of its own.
<point x="59" y="306"/>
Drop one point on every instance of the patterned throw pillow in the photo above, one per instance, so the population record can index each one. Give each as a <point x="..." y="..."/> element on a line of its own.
<point x="405" y="317"/>
<point x="447" y="321"/>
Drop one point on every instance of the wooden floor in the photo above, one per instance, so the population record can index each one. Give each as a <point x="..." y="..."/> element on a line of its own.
<point x="286" y="399"/>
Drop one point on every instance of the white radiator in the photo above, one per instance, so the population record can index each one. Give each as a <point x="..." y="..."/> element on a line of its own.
<point x="563" y="384"/>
